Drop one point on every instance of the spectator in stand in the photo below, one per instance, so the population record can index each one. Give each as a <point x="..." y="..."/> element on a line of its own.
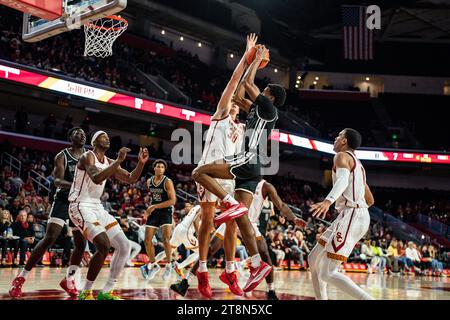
<point x="413" y="256"/>
<point x="4" y="201"/>
<point x="278" y="248"/>
<point x="291" y="247"/>
<point x="105" y="203"/>
<point x="15" y="208"/>
<point x="378" y="253"/>
<point x="429" y="261"/>
<point x="5" y="233"/>
<point x="9" y="189"/>
<point x="16" y="181"/>
<point x="25" y="231"/>
<point x="303" y="248"/>
<point x="393" y="256"/>
<point x="28" y="186"/>
<point x="367" y="255"/>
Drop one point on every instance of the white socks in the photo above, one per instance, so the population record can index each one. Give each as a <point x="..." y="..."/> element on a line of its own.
<point x="71" y="271"/>
<point x="189" y="277"/>
<point x="24" y="273"/>
<point x="158" y="258"/>
<point x="329" y="273"/>
<point x="110" y="285"/>
<point x="190" y="259"/>
<point x="88" y="285"/>
<point x="256" y="260"/>
<point x="230" y="267"/>
<point x="202" y="266"/>
<point x="230" y="199"/>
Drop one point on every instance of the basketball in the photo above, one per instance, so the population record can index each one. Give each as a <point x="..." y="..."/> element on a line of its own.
<point x="251" y="56"/>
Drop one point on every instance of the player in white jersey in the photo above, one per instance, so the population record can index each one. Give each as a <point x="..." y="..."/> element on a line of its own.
<point x="263" y="191"/>
<point x="223" y="139"/>
<point x="353" y="198"/>
<point x="184" y="234"/>
<point x="89" y="216"/>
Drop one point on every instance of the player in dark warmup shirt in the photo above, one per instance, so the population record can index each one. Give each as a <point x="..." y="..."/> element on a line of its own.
<point x="159" y="215"/>
<point x="63" y="172"/>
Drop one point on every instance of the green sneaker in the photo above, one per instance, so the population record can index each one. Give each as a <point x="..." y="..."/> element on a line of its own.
<point x="86" y="295"/>
<point x="111" y="295"/>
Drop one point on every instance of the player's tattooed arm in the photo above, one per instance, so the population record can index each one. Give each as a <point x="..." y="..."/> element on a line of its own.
<point x="131" y="177"/>
<point x="87" y="161"/>
<point x="58" y="172"/>
<point x="224" y="105"/>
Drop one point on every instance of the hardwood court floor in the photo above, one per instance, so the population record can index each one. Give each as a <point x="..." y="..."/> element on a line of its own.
<point x="43" y="284"/>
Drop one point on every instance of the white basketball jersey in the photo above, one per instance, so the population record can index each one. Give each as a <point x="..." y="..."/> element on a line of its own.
<point x="224" y="138"/>
<point x="83" y="188"/>
<point x="258" y="198"/>
<point x="188" y="221"/>
<point x="353" y="196"/>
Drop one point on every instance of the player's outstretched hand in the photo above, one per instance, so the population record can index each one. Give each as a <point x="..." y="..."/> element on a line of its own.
<point x="252" y="38"/>
<point x="320" y="209"/>
<point x="143" y="155"/>
<point x="260" y="50"/>
<point x="123" y="154"/>
<point x="149" y="211"/>
<point x="241" y="102"/>
<point x="300" y="223"/>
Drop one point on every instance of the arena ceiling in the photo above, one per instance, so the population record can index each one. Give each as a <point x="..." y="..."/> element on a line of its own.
<point x="415" y="33"/>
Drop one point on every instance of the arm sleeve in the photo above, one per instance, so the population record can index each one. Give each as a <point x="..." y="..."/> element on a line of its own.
<point x="266" y="109"/>
<point x="342" y="176"/>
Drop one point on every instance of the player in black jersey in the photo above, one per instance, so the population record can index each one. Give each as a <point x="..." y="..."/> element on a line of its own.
<point x="63" y="171"/>
<point x="246" y="167"/>
<point x="159" y="215"/>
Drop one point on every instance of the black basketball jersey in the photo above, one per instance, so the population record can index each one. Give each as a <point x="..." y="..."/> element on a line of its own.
<point x="264" y="218"/>
<point x="70" y="163"/>
<point x="261" y="120"/>
<point x="158" y="192"/>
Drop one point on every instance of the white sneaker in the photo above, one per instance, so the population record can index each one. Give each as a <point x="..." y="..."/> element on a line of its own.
<point x="153" y="271"/>
<point x="167" y="271"/>
<point x="129" y="264"/>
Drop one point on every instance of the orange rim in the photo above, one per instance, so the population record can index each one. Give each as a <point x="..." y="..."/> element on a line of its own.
<point x="91" y="25"/>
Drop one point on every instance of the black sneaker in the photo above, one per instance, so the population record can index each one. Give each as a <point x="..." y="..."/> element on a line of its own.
<point x="271" y="295"/>
<point x="180" y="287"/>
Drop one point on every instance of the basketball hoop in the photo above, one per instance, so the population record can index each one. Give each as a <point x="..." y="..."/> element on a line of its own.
<point x="101" y="34"/>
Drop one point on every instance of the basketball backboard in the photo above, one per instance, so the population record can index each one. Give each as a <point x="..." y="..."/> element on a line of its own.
<point x="75" y="14"/>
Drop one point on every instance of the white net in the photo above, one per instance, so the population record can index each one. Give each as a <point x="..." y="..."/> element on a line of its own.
<point x="101" y="34"/>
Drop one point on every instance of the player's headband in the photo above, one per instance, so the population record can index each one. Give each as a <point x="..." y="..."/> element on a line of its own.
<point x="95" y="136"/>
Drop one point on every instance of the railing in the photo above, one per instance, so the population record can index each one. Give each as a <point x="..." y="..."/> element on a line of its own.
<point x="12" y="162"/>
<point x="404" y="231"/>
<point x="37" y="178"/>
<point x="434" y="225"/>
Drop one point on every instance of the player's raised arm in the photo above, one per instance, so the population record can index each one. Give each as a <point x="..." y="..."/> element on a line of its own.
<point x="87" y="160"/>
<point x="249" y="77"/>
<point x="343" y="163"/>
<point x="131" y="177"/>
<point x="283" y="207"/>
<point x="223" y="107"/>
<point x="58" y="172"/>
<point x="368" y="196"/>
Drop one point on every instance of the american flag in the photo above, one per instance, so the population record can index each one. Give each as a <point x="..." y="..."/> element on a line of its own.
<point x="358" y="39"/>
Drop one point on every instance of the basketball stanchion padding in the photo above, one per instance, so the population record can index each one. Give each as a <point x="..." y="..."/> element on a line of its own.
<point x="101" y="34"/>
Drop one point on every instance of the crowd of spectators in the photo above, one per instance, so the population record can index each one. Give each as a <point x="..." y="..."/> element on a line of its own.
<point x="24" y="212"/>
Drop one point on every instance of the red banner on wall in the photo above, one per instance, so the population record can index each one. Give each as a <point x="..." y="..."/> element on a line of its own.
<point x="45" y="9"/>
